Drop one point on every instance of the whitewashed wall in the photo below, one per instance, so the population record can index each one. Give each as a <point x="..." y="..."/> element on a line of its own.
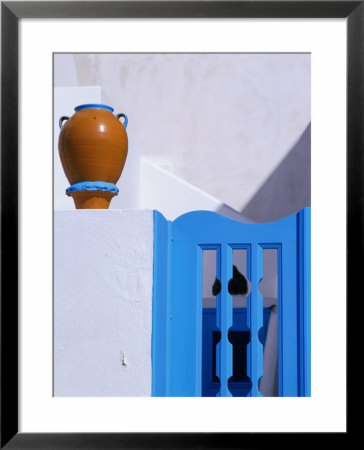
<point x="103" y="276"/>
<point x="145" y="183"/>
<point x="222" y="122"/>
<point x="235" y="126"/>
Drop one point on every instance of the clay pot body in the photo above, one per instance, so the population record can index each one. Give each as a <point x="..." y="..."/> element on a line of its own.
<point x="92" y="199"/>
<point x="93" y="146"/>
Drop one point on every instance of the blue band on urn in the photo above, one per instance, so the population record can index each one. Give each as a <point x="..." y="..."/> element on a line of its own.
<point x="94" y="106"/>
<point x="92" y="186"/>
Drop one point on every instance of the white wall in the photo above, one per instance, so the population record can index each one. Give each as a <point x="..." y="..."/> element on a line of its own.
<point x="103" y="276"/>
<point x="235" y="126"/>
<point x="171" y="195"/>
<point x="145" y="183"/>
<point x="222" y="122"/>
<point x="64" y="70"/>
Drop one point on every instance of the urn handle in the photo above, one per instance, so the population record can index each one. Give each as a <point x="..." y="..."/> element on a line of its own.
<point x="61" y="120"/>
<point x="125" y="123"/>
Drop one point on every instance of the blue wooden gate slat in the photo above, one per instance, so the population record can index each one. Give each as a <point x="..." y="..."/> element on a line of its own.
<point x="160" y="311"/>
<point x="224" y="320"/>
<point x="304" y="243"/>
<point x="287" y="312"/>
<point x="255" y="320"/>
<point x="186" y="321"/>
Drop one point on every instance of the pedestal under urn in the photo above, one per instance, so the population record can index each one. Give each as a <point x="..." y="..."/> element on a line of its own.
<point x="93" y="146"/>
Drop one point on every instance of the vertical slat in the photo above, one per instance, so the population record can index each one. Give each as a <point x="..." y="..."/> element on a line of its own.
<point x="185" y="320"/>
<point x="255" y="319"/>
<point x="161" y="288"/>
<point x="224" y="319"/>
<point x="198" y="321"/>
<point x="307" y="303"/>
<point x="304" y="282"/>
<point x="281" y="355"/>
<point x="288" y="319"/>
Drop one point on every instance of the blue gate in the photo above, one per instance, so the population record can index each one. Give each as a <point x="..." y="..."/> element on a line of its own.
<point x="177" y="342"/>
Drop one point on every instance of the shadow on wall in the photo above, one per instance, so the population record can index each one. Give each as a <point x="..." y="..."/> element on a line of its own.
<point x="288" y="189"/>
<point x="227" y="211"/>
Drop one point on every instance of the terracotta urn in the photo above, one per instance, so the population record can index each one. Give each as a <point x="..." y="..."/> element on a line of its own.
<point x="93" y="146"/>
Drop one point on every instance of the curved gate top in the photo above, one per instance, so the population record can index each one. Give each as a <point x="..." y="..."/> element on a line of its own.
<point x="178" y="313"/>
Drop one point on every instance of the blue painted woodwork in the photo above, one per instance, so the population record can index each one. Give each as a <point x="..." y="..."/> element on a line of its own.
<point x="177" y="301"/>
<point x="241" y="385"/>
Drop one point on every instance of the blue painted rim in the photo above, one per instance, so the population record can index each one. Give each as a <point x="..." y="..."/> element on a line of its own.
<point x="94" y="106"/>
<point x="92" y="186"/>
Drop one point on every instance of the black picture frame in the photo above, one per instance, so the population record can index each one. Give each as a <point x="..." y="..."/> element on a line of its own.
<point x="11" y="12"/>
